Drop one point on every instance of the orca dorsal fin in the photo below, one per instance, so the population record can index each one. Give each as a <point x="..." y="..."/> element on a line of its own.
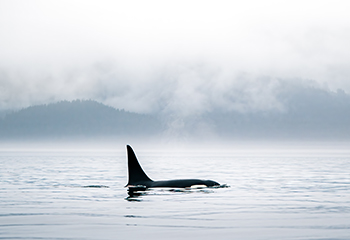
<point x="136" y="173"/>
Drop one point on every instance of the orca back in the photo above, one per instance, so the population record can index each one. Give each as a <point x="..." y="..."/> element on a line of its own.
<point x="136" y="174"/>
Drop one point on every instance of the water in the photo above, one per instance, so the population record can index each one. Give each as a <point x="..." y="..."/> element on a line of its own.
<point x="81" y="195"/>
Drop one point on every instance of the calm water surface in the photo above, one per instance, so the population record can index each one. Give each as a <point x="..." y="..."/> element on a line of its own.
<point x="81" y="195"/>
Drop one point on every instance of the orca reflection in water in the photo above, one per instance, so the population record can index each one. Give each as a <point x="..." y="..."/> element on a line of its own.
<point x="139" y="181"/>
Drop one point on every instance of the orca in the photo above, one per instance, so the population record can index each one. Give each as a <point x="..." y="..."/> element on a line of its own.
<point x="139" y="181"/>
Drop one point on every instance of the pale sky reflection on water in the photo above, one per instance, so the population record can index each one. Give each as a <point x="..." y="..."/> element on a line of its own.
<point x="271" y="196"/>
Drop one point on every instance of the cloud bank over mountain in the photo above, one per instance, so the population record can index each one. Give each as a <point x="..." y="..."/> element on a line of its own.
<point x="89" y="120"/>
<point x="181" y="61"/>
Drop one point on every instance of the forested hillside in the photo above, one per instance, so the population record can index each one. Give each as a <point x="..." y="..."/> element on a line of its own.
<point x="75" y="119"/>
<point x="303" y="114"/>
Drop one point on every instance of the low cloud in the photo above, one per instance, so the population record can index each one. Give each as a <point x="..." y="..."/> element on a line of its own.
<point x="178" y="60"/>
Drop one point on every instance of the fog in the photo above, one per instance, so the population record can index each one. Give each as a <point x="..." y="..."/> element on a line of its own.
<point x="179" y="60"/>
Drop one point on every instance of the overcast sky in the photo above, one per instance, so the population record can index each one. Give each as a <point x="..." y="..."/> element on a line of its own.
<point x="149" y="55"/>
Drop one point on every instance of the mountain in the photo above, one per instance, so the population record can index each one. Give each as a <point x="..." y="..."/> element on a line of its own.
<point x="290" y="112"/>
<point x="76" y="119"/>
<point x="305" y="113"/>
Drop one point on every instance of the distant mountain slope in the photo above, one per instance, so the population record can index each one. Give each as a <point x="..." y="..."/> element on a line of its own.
<point x="298" y="112"/>
<point x="75" y="119"/>
<point x="306" y="113"/>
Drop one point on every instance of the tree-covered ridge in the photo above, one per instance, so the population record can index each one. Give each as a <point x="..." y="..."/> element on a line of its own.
<point x="306" y="113"/>
<point x="77" y="118"/>
<point x="302" y="113"/>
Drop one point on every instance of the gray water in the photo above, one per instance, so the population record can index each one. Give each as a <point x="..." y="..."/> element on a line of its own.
<point x="81" y="195"/>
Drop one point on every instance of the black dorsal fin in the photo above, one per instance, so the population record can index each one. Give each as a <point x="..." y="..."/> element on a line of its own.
<point x="136" y="173"/>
